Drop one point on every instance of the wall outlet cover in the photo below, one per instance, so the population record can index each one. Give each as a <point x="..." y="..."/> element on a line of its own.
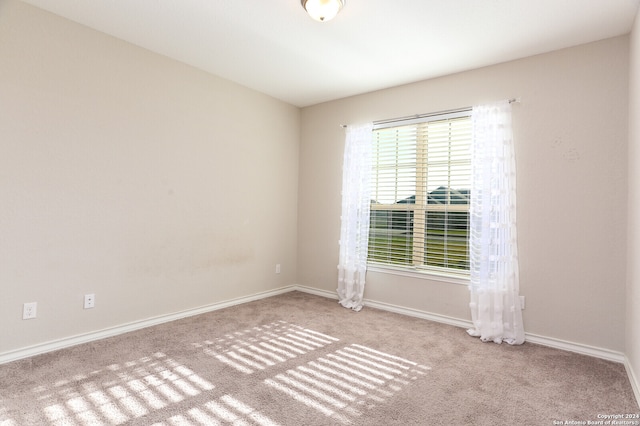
<point x="89" y="301"/>
<point x="29" y="310"/>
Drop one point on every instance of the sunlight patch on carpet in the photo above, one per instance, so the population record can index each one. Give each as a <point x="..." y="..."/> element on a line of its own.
<point x="5" y="420"/>
<point x="136" y="390"/>
<point x="342" y="384"/>
<point x="259" y="348"/>
<point x="120" y="392"/>
<point x="225" y="410"/>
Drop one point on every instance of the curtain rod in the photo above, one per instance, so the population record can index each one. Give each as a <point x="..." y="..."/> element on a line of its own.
<point x="415" y="116"/>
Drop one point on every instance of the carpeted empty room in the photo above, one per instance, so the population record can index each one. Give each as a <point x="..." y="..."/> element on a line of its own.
<point x="301" y="359"/>
<point x="319" y="212"/>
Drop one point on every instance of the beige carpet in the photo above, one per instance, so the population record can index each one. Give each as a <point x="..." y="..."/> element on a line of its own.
<point x="298" y="359"/>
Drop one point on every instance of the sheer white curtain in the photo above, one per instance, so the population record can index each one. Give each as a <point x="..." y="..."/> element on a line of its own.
<point x="354" y="231"/>
<point x="495" y="301"/>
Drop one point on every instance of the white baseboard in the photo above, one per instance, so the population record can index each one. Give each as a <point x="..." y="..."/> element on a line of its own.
<point x="633" y="378"/>
<point x="316" y="291"/>
<point x="533" y="338"/>
<point x="137" y="325"/>
<point x="132" y="326"/>
<point x="606" y="354"/>
<point x="580" y="348"/>
<point x="443" y="319"/>
<point x="391" y="308"/>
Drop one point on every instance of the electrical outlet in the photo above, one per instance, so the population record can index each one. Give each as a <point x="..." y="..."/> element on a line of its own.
<point x="277" y="268"/>
<point x="29" y="310"/>
<point x="89" y="301"/>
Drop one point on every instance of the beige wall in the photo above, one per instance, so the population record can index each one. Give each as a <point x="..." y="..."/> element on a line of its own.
<point x="571" y="140"/>
<point x="129" y="175"/>
<point x="155" y="186"/>
<point x="632" y="348"/>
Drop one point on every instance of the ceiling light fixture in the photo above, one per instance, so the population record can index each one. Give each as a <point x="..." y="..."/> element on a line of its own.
<point x="323" y="10"/>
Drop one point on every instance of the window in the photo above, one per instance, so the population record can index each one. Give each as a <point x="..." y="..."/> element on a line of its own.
<point x="420" y="193"/>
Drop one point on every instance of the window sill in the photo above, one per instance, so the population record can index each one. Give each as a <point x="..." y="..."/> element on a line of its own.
<point x="459" y="279"/>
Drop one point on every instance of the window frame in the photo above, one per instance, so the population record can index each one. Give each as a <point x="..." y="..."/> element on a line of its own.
<point x="435" y="273"/>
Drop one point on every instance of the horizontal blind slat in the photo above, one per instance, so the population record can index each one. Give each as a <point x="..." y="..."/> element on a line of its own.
<point x="428" y="163"/>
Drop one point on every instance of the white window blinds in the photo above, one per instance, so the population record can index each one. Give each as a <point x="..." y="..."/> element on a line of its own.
<point x="420" y="193"/>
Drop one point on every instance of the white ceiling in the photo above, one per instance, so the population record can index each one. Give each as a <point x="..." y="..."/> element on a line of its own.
<point x="272" y="45"/>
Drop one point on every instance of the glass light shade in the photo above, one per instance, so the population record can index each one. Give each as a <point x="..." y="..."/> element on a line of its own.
<point x="322" y="10"/>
